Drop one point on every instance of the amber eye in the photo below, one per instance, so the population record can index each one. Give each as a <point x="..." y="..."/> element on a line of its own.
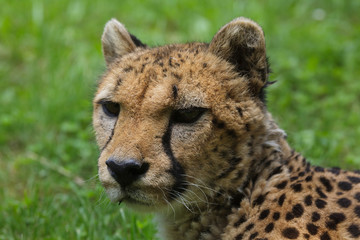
<point x="189" y="115"/>
<point x="110" y="108"/>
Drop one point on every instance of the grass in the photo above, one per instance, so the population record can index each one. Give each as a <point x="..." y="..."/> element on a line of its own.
<point x="50" y="60"/>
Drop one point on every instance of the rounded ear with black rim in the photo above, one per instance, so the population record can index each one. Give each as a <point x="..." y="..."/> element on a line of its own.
<point x="242" y="43"/>
<point x="117" y="41"/>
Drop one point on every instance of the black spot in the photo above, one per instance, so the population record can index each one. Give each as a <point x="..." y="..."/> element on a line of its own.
<point x="354" y="179"/>
<point x="312" y="229"/>
<point x="175" y="91"/>
<point x="344" y="202"/>
<point x="239" y="175"/>
<point x="269" y="227"/>
<point x="252" y="236"/>
<point x="357" y="196"/>
<point x="335" y="170"/>
<point x="204" y="65"/>
<point x="289" y="216"/>
<point x="128" y="69"/>
<point x="142" y="67"/>
<point x="276" y="216"/>
<point x="249" y="227"/>
<point x="308" y="179"/>
<point x="346" y="186"/>
<point x="118" y="83"/>
<point x="218" y="124"/>
<point x="357" y="211"/>
<point x="240" y="221"/>
<point x="277" y="170"/>
<point x="231" y="133"/>
<point x="294" y="178"/>
<point x="334" y="220"/>
<point x="290" y="232"/>
<point x="301" y="174"/>
<point x="319" y="169"/>
<point x="320" y="192"/>
<point x="354" y="230"/>
<point x="259" y="200"/>
<point x="306" y="236"/>
<point x="320" y="203"/>
<point x="281" y="199"/>
<point x="239" y="237"/>
<point x="239" y="111"/>
<point x="326" y="183"/>
<point x="247" y="127"/>
<point x="298" y="210"/>
<point x="264" y="214"/>
<point x="296" y="187"/>
<point x="325" y="236"/>
<point x="233" y="162"/>
<point x="315" y="217"/>
<point x="236" y="199"/>
<point x="308" y="200"/>
<point x="170" y="62"/>
<point x="177" y="76"/>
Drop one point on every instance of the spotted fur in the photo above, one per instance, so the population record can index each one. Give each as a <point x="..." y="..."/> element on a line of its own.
<point x="184" y="132"/>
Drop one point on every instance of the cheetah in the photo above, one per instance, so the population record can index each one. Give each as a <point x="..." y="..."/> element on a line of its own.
<point x="184" y="132"/>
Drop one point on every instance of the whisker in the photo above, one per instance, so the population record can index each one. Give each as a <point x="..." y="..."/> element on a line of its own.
<point x="168" y="202"/>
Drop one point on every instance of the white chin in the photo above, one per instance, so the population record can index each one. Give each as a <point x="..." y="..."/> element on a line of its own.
<point x="114" y="194"/>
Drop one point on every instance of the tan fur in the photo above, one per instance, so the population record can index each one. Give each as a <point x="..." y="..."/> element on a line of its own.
<point x="228" y="175"/>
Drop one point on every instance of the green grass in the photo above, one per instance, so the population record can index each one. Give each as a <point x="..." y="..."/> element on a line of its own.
<point x="50" y="60"/>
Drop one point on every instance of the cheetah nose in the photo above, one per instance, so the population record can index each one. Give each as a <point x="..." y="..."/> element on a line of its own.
<point x="127" y="171"/>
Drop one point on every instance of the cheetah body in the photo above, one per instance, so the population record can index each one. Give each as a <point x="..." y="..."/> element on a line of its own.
<point x="184" y="132"/>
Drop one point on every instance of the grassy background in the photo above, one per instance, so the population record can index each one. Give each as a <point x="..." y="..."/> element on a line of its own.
<point x="50" y="60"/>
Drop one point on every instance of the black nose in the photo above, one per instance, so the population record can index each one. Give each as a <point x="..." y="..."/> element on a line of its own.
<point x="127" y="171"/>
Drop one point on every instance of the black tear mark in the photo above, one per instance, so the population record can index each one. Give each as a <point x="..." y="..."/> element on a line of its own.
<point x="110" y="137"/>
<point x="177" y="171"/>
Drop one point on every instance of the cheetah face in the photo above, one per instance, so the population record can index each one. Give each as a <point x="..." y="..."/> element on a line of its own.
<point x="166" y="118"/>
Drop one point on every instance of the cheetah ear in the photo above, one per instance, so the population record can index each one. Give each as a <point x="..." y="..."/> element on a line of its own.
<point x="117" y="41"/>
<point x="242" y="43"/>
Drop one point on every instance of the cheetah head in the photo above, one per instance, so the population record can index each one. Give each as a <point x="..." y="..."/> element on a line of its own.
<point x="175" y="124"/>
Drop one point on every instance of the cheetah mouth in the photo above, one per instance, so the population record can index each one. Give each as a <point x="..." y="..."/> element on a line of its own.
<point x="144" y="197"/>
<point x="132" y="201"/>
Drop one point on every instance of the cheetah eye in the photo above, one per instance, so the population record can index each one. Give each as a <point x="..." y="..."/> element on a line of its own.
<point x="110" y="108"/>
<point x="189" y="115"/>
